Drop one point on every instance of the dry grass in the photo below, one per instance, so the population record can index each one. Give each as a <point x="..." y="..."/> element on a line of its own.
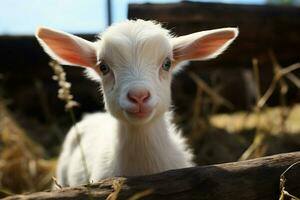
<point x="117" y="186"/>
<point x="283" y="192"/>
<point x="64" y="94"/>
<point x="270" y="121"/>
<point x="276" y="130"/>
<point x="22" y="167"/>
<point x="141" y="195"/>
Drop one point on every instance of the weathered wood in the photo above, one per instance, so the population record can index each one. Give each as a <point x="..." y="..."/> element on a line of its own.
<point x="262" y="27"/>
<point x="248" y="180"/>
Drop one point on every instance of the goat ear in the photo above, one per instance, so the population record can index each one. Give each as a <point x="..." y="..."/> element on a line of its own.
<point x="66" y="48"/>
<point x="202" y="45"/>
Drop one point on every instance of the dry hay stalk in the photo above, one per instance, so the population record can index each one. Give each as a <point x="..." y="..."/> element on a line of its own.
<point x="283" y="192"/>
<point x="22" y="167"/>
<point x="279" y="74"/>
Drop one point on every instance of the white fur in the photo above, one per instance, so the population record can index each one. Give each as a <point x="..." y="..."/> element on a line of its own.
<point x="115" y="149"/>
<point x="117" y="143"/>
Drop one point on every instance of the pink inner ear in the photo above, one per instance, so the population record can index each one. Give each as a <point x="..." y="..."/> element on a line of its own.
<point x="204" y="47"/>
<point x="69" y="48"/>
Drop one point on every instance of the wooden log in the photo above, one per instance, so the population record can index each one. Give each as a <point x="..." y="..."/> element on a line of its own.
<point x="248" y="180"/>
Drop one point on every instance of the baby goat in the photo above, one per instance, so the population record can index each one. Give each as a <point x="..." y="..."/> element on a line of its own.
<point x="133" y="61"/>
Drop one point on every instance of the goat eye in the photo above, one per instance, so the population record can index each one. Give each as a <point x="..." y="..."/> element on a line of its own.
<point x="167" y="64"/>
<point x="104" y="68"/>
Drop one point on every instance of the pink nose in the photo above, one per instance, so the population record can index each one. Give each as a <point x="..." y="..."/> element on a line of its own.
<point x="138" y="96"/>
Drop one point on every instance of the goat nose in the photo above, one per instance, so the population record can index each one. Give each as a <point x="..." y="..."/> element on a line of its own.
<point x="138" y="96"/>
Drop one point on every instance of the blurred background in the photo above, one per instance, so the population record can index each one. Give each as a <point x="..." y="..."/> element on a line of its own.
<point x="242" y="105"/>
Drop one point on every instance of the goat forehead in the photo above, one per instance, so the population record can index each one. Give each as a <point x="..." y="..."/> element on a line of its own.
<point x="136" y="27"/>
<point x="132" y="43"/>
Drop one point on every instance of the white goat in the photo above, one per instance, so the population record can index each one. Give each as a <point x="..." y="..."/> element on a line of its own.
<point x="133" y="61"/>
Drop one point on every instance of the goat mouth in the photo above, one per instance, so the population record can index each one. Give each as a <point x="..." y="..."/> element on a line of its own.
<point x="141" y="113"/>
<point x="138" y="114"/>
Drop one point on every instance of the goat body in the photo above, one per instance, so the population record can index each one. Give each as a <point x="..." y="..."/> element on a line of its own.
<point x="134" y="62"/>
<point x="113" y="148"/>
